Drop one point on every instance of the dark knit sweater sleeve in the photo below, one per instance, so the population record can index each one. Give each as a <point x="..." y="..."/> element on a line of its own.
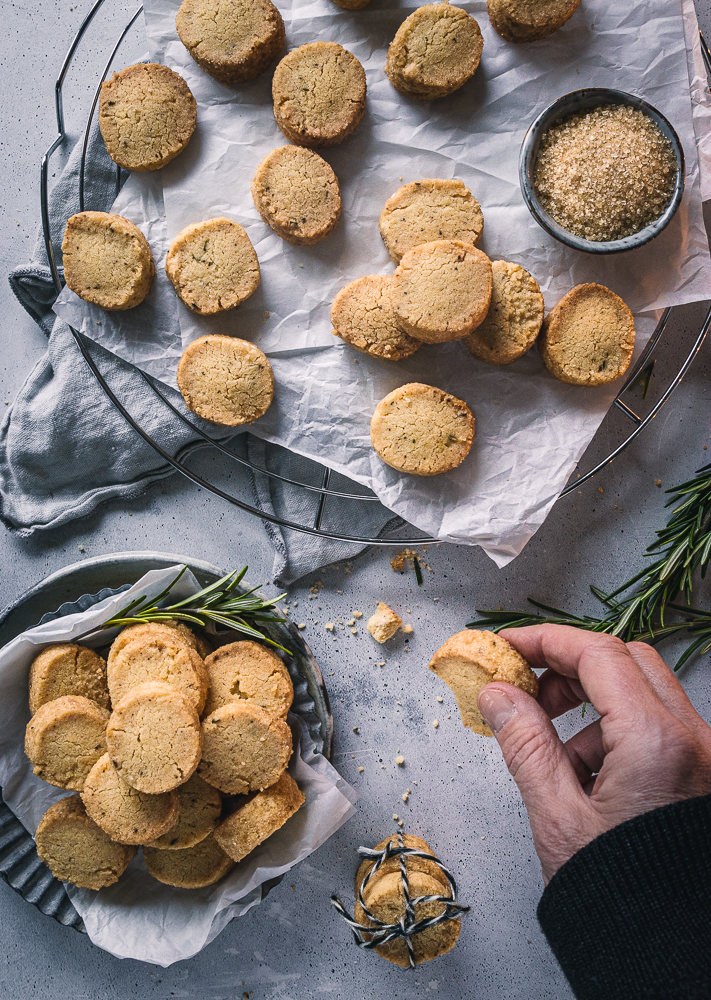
<point x="629" y="916"/>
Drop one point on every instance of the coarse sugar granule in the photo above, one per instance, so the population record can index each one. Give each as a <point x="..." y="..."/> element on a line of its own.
<point x="605" y="173"/>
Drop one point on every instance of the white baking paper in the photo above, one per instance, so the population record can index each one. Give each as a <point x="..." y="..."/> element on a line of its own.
<point x="531" y="429"/>
<point x="139" y="917"/>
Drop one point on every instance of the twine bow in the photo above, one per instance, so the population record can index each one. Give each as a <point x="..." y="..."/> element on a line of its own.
<point x="408" y="925"/>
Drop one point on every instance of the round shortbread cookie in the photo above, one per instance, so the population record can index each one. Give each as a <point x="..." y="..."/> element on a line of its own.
<point x="200" y="806"/>
<point x="76" y="850"/>
<point x="232" y="40"/>
<point x="146" y="116"/>
<point x="363" y="316"/>
<point x="441" y="291"/>
<point x="529" y="20"/>
<point x="245" y="748"/>
<point x="107" y="260"/>
<point x="422" y="430"/>
<point x="412" y="864"/>
<point x="434" y="51"/>
<point x="127" y="815"/>
<point x="157" y="658"/>
<point x="67" y="668"/>
<point x="250" y="672"/>
<point x="259" y="818"/>
<point x="429" y="210"/>
<point x="226" y="380"/>
<point x="154" y="738"/>
<point x="191" y="868"/>
<point x="319" y="94"/>
<point x="514" y="318"/>
<point x="385" y="898"/>
<point x="64" y="739"/>
<point x="173" y="631"/>
<point x="588" y="337"/>
<point x="212" y="266"/>
<point x="296" y="193"/>
<point x="470" y="660"/>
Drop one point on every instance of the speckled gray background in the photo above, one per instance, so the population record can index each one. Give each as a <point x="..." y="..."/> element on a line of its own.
<point x="464" y="803"/>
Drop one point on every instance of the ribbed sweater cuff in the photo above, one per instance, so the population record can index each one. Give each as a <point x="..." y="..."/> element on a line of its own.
<point x="629" y="916"/>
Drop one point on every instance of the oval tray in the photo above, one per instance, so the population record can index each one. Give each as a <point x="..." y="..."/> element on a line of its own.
<point x="76" y="588"/>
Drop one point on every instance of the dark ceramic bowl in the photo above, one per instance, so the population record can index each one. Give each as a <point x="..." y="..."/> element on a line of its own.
<point x="76" y="588"/>
<point x="583" y="100"/>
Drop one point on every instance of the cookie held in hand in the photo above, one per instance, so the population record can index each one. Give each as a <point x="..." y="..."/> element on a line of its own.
<point x="470" y="660"/>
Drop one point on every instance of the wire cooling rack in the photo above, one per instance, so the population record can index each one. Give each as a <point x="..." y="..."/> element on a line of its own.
<point x="326" y="494"/>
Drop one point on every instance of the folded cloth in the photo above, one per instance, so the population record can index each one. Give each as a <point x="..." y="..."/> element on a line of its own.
<point x="65" y="449"/>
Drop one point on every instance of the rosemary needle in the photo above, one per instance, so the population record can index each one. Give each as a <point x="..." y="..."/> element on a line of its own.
<point x="636" y="610"/>
<point x="219" y="604"/>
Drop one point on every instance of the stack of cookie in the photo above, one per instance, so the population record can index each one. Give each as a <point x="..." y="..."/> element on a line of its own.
<point x="150" y="741"/>
<point x="384" y="898"/>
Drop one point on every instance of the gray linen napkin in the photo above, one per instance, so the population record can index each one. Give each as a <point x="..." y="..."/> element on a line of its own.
<point x="65" y="449"/>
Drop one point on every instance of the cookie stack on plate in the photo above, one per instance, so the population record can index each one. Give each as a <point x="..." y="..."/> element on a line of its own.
<point x="150" y="741"/>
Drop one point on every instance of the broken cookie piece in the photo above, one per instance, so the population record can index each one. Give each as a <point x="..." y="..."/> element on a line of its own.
<point x="384" y="623"/>
<point x="470" y="660"/>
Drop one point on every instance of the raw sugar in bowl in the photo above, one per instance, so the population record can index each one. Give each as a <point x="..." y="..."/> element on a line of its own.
<point x="558" y="170"/>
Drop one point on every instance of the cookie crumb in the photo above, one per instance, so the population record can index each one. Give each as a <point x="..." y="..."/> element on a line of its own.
<point x="357" y="614"/>
<point x="399" y="760"/>
<point x="384" y="623"/>
<point x="407" y="628"/>
<point x="361" y="769"/>
<point x="435" y="723"/>
<point x="440" y="698"/>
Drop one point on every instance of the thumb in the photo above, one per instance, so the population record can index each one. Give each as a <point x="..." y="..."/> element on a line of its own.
<point x="534" y="754"/>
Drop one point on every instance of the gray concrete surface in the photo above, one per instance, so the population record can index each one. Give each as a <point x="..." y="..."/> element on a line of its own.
<point x="294" y="945"/>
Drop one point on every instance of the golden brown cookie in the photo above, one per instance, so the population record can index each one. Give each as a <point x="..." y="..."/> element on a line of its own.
<point x="412" y="864"/>
<point x="212" y="266"/>
<point x="67" y="668"/>
<point x="319" y="94"/>
<point x="441" y="291"/>
<point x="384" y="623"/>
<point x="226" y="380"/>
<point x="514" y="318"/>
<point x="296" y="193"/>
<point x="191" y="868"/>
<point x="200" y="806"/>
<point x="107" y="260"/>
<point x="588" y="337"/>
<point x="154" y="738"/>
<point x="245" y="748"/>
<point x="174" y="631"/>
<point x="434" y="51"/>
<point x="422" y="430"/>
<point x="385" y="899"/>
<point x="158" y="658"/>
<point x="362" y="315"/>
<point x="127" y="815"/>
<point x="248" y="671"/>
<point x="65" y="738"/>
<point x="529" y="20"/>
<point x="232" y="40"/>
<point x="427" y="210"/>
<point x="471" y="659"/>
<point x="76" y="850"/>
<point x="259" y="818"/>
<point x="146" y="116"/>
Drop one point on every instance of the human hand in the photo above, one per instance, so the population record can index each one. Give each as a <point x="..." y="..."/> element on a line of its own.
<point x="649" y="748"/>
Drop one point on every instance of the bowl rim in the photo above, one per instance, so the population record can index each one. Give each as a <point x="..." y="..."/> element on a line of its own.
<point x="563" y="107"/>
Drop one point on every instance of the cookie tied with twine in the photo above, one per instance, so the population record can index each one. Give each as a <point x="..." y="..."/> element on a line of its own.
<point x="406" y="909"/>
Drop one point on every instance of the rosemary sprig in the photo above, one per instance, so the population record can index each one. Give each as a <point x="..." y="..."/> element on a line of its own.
<point x="218" y="604"/>
<point x="636" y="609"/>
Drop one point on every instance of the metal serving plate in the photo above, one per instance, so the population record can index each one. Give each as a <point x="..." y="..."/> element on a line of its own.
<point x="76" y="588"/>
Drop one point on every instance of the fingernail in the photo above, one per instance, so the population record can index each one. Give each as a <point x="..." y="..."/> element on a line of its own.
<point x="496" y="707"/>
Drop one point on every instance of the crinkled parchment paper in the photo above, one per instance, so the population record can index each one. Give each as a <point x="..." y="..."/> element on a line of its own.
<point x="531" y="429"/>
<point x="139" y="917"/>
